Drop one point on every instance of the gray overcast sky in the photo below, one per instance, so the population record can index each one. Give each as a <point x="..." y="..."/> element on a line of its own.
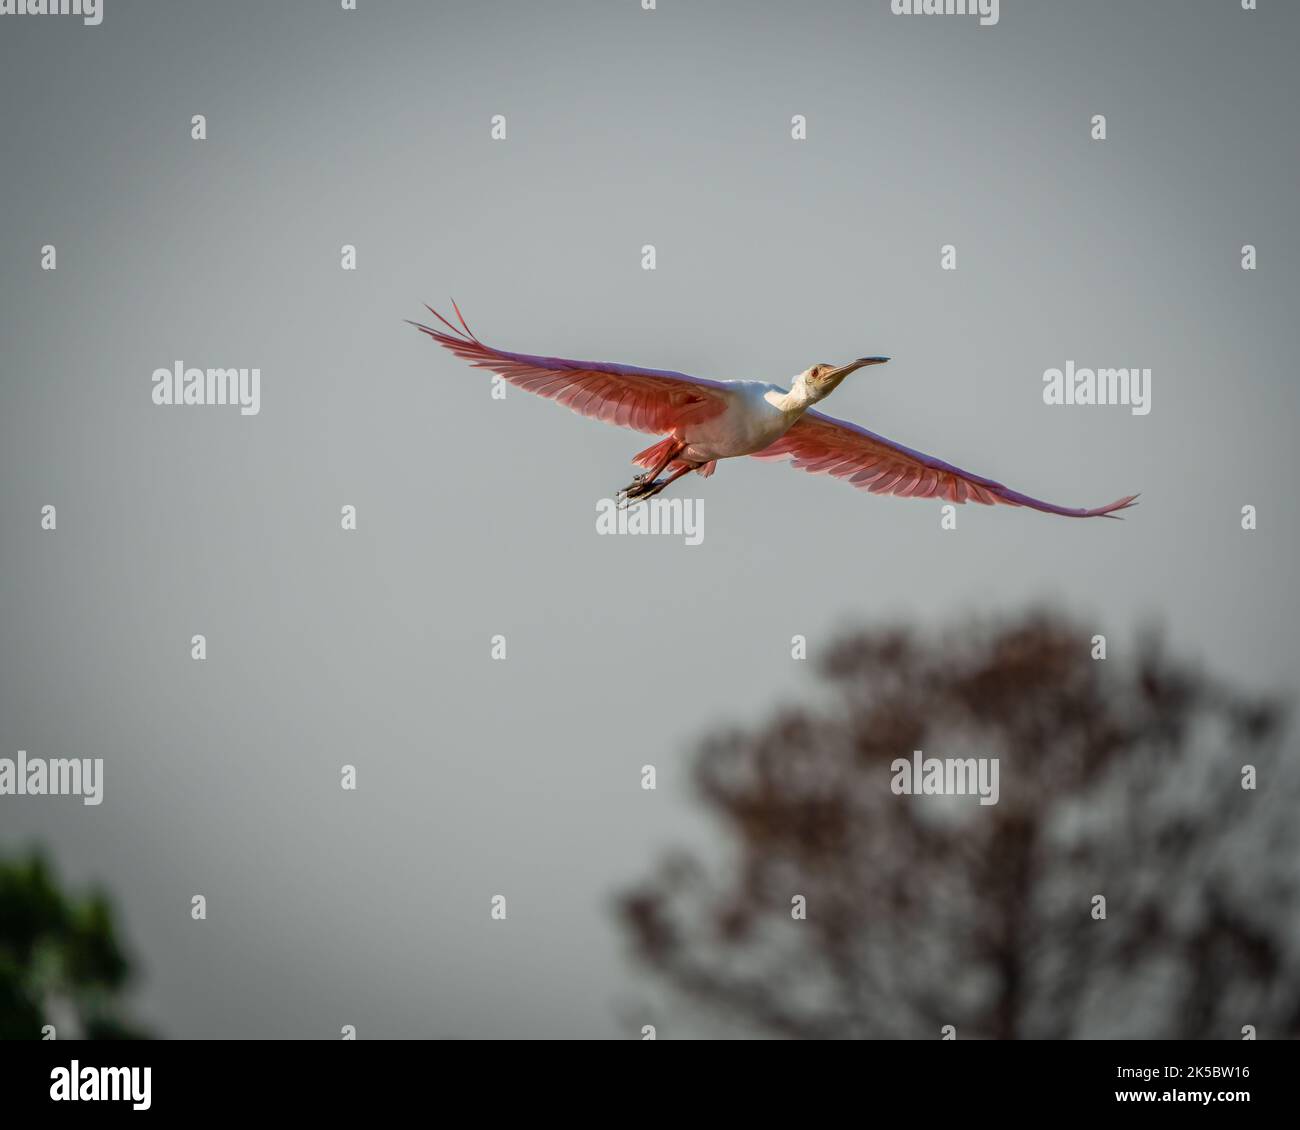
<point x="477" y="516"/>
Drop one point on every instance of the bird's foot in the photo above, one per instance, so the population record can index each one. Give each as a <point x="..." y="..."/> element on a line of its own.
<point x="637" y="482"/>
<point x="639" y="489"/>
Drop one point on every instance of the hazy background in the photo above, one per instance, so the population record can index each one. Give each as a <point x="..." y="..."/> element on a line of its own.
<point x="476" y="516"/>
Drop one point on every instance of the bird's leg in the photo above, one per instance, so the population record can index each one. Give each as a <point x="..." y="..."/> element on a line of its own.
<point x="649" y="490"/>
<point x="633" y="489"/>
<point x="671" y="451"/>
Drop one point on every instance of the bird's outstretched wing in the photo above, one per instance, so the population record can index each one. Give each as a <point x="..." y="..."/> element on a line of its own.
<point x="821" y="444"/>
<point x="649" y="400"/>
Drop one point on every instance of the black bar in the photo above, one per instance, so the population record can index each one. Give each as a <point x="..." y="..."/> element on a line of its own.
<point x="925" y="1079"/>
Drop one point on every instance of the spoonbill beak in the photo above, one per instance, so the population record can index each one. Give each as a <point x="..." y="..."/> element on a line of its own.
<point x="843" y="371"/>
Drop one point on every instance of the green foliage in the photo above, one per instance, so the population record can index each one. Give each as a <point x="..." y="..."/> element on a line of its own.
<point x="55" y="947"/>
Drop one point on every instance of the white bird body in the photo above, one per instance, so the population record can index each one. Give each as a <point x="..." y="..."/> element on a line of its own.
<point x="756" y="416"/>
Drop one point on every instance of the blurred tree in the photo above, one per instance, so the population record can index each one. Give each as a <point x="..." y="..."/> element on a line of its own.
<point x="1121" y="779"/>
<point x="58" y="955"/>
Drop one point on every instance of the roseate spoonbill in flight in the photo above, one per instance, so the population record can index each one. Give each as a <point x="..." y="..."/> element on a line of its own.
<point x="703" y="421"/>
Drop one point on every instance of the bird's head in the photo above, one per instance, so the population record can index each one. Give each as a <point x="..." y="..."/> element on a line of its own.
<point x="821" y="380"/>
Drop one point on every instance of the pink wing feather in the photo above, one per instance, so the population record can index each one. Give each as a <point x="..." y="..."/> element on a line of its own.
<point x="822" y="444"/>
<point x="648" y="400"/>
